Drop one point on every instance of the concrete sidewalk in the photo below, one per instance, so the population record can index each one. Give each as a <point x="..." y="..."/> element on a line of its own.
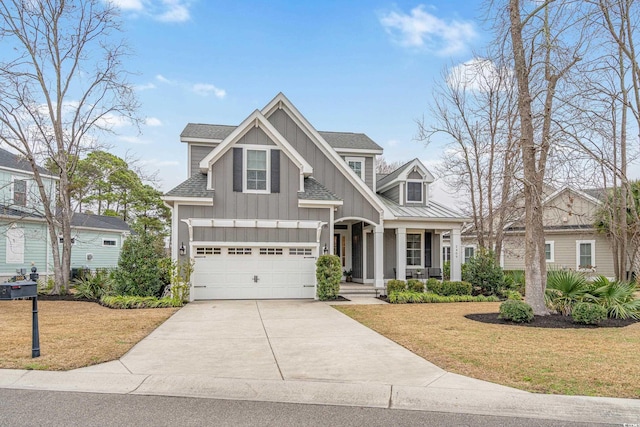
<point x="303" y="352"/>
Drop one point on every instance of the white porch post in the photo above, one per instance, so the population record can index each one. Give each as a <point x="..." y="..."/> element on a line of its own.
<point x="456" y="256"/>
<point x="378" y="243"/>
<point x="401" y="253"/>
<point x="331" y="219"/>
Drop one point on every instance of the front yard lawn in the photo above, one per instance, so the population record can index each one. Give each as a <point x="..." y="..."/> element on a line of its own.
<point x="73" y="334"/>
<point x="593" y="362"/>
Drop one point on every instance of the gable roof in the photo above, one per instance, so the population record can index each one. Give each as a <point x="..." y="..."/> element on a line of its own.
<point x="14" y="161"/>
<point x="313" y="190"/>
<point x="402" y="172"/>
<point x="205" y="131"/>
<point x="256" y="119"/>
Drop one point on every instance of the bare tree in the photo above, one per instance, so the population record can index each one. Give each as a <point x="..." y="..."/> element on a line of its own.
<point x="546" y="44"/>
<point x="385" y="167"/>
<point x="474" y="108"/>
<point x="63" y="85"/>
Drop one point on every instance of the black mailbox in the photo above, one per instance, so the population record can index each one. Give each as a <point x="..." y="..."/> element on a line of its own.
<point x="21" y="289"/>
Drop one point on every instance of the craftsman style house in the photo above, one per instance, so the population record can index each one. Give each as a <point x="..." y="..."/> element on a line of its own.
<point x="265" y="198"/>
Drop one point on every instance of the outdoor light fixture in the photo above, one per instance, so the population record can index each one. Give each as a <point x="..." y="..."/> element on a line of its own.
<point x="325" y="250"/>
<point x="183" y="250"/>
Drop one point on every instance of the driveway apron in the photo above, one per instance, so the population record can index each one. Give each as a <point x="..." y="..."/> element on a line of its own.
<point x="275" y="340"/>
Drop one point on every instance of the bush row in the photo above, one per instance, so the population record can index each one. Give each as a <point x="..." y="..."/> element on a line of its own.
<point x="406" y="297"/>
<point x="124" y="301"/>
<point x="434" y="286"/>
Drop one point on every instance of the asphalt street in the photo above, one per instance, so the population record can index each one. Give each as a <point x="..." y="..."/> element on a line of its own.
<point x="48" y="408"/>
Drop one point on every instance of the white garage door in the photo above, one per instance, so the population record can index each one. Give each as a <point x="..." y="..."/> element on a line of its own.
<point x="239" y="272"/>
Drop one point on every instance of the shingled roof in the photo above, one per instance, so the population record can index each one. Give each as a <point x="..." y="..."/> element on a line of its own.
<point x="313" y="190"/>
<point x="196" y="186"/>
<point x="337" y="140"/>
<point x="99" y="221"/>
<point x="14" y="161"/>
<point x="393" y="175"/>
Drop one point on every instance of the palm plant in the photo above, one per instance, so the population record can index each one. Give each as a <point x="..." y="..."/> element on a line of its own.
<point x="617" y="297"/>
<point x="565" y="288"/>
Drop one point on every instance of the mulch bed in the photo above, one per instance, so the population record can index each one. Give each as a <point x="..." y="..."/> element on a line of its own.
<point x="67" y="297"/>
<point x="556" y="321"/>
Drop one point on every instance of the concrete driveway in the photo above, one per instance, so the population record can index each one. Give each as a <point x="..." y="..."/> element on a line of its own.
<point x="275" y="340"/>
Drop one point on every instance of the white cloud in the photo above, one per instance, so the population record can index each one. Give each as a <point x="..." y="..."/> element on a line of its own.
<point x="153" y="121"/>
<point x="145" y="86"/>
<point x="160" y="10"/>
<point x="111" y="121"/>
<point x="159" y="163"/>
<point x="163" y="79"/>
<point x="205" y="89"/>
<point x="423" y="30"/>
<point x="133" y="140"/>
<point x="480" y="74"/>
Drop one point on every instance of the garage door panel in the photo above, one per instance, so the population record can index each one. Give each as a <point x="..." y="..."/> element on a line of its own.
<point x="228" y="273"/>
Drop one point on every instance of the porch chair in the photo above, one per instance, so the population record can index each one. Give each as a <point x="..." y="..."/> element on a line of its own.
<point x="435" y="273"/>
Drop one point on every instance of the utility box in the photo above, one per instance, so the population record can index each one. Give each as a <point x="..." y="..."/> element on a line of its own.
<point x="16" y="290"/>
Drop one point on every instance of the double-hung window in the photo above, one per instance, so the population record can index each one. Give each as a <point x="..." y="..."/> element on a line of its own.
<point x="414" y="250"/>
<point x="549" y="251"/>
<point x="469" y="252"/>
<point x="414" y="191"/>
<point x="585" y="254"/>
<point x="256" y="171"/>
<point x="357" y="164"/>
<point x="20" y="192"/>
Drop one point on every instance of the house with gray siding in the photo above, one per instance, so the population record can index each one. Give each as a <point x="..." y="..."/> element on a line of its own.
<point x="263" y="199"/>
<point x="96" y="239"/>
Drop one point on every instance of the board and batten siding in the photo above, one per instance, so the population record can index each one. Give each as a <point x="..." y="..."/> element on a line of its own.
<point x="564" y="245"/>
<point x="196" y="154"/>
<point x="368" y="167"/>
<point x="393" y="194"/>
<point x="325" y="171"/>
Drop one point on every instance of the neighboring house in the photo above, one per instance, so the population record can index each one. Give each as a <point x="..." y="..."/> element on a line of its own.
<point x="572" y="241"/>
<point x="265" y="198"/>
<point x="97" y="239"/>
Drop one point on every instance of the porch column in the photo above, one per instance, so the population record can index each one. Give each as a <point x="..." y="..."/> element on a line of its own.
<point x="331" y="219"/>
<point x="401" y="253"/>
<point x="436" y="250"/>
<point x="378" y="243"/>
<point x="456" y="256"/>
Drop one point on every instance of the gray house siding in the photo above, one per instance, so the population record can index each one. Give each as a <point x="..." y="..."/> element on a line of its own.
<point x="393" y="194"/>
<point x="368" y="167"/>
<point x="255" y="136"/>
<point x="197" y="153"/>
<point x="389" y="253"/>
<point x="414" y="175"/>
<point x="355" y="204"/>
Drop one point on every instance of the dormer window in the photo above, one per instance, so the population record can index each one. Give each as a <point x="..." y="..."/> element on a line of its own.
<point x="414" y="191"/>
<point x="357" y="165"/>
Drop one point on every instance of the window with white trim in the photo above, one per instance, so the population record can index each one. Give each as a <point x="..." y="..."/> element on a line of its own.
<point x="207" y="250"/>
<point x="357" y="165"/>
<point x="109" y="242"/>
<point x="469" y="252"/>
<point x="20" y="192"/>
<point x="549" y="251"/>
<point x="270" y="251"/>
<point x="300" y="251"/>
<point x="585" y="254"/>
<point x="414" y="250"/>
<point x="414" y="191"/>
<point x="256" y="170"/>
<point x="446" y="254"/>
<point x="239" y="251"/>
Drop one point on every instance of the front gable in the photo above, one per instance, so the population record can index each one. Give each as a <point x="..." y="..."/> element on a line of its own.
<point x="568" y="207"/>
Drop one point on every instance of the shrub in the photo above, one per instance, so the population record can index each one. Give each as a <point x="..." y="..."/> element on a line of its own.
<point x="514" y="295"/>
<point x="515" y="279"/>
<point x="446" y="288"/>
<point x="588" y="313"/>
<point x="415" y="285"/>
<point x="178" y="274"/>
<point x="617" y="297"/>
<point x="484" y="273"/>
<point x="328" y="274"/>
<point x="446" y="270"/>
<point x="516" y="311"/>
<point x="139" y="272"/>
<point x="94" y="285"/>
<point x="405" y="297"/>
<point x="395" y="285"/>
<point x="565" y="288"/>
<point x="127" y="302"/>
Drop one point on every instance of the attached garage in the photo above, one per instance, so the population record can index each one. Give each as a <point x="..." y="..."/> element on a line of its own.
<point x="254" y="272"/>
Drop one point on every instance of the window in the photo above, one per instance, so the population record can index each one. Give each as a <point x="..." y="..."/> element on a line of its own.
<point x="414" y="250"/>
<point x="357" y="164"/>
<point x="207" y="250"/>
<point x="270" y="251"/>
<point x="469" y="252"/>
<point x="109" y="242"/>
<point x="20" y="192"/>
<point x="256" y="170"/>
<point x="446" y="254"/>
<point x="300" y="251"/>
<point x="585" y="254"/>
<point x="414" y="191"/>
<point x="549" y="251"/>
<point x="239" y="251"/>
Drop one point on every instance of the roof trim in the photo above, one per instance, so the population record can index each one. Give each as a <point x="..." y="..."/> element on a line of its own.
<point x="358" y="150"/>
<point x="309" y="203"/>
<point x="205" y="140"/>
<point x="256" y="119"/>
<point x="208" y="201"/>
<point x="281" y="102"/>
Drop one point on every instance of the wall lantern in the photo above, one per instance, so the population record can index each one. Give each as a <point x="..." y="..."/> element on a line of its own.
<point x="183" y="250"/>
<point x="325" y="250"/>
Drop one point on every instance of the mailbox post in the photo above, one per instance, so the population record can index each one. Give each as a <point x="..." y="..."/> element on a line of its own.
<point x="26" y="289"/>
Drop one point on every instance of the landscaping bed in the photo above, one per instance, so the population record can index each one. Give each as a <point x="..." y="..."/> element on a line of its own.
<point x="556" y="321"/>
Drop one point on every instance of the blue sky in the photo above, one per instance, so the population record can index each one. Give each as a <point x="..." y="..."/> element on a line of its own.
<point x="361" y="66"/>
